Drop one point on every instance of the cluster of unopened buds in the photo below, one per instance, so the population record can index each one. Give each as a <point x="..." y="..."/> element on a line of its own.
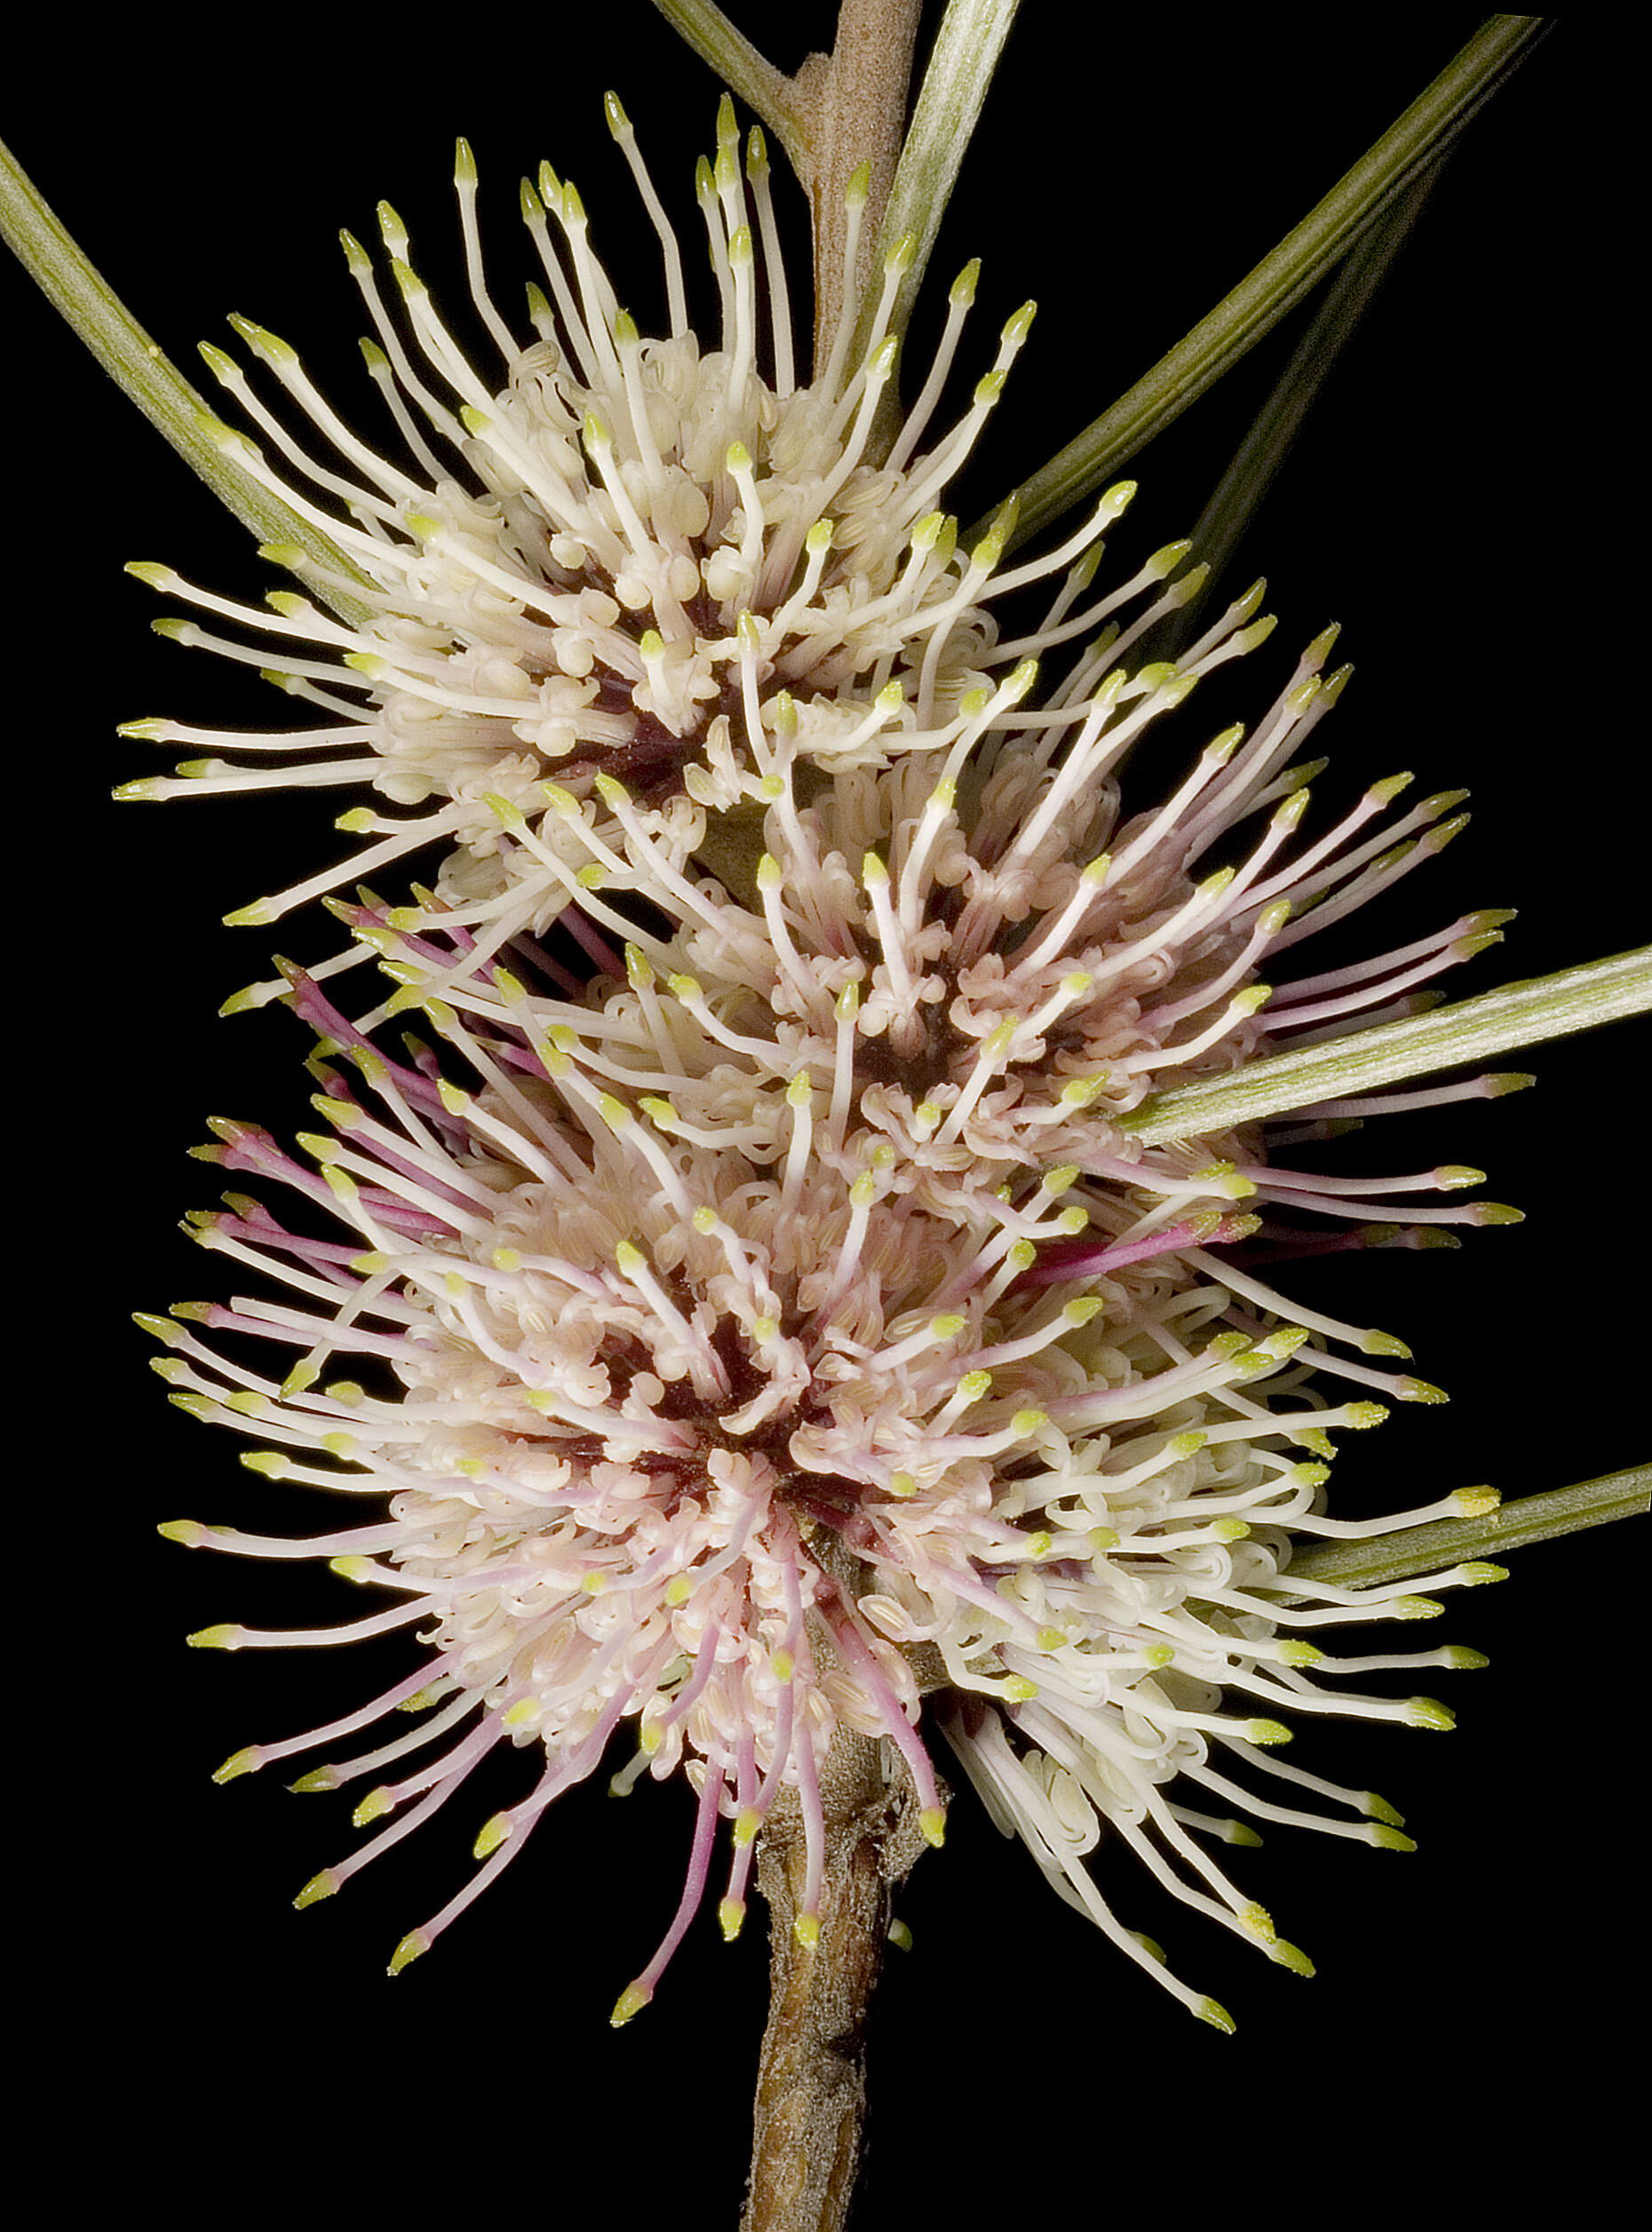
<point x="766" y="1323"/>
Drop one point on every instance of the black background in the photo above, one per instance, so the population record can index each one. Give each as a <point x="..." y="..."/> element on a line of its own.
<point x="1455" y="500"/>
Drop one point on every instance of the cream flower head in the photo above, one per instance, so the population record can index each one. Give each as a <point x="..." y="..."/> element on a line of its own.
<point x="787" y="1328"/>
<point x="622" y="556"/>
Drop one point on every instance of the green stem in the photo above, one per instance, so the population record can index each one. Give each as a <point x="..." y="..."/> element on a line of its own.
<point x="1281" y="278"/>
<point x="768" y="92"/>
<point x="1418" y="1551"/>
<point x="1233" y="503"/>
<point x="959" y="70"/>
<point x="137" y="364"/>
<point x="1467" y="1031"/>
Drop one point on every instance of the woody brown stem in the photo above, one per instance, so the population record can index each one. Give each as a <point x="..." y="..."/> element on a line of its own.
<point x="857" y="98"/>
<point x="811" y="2098"/>
<point x="810" y="2110"/>
<point x="840" y="110"/>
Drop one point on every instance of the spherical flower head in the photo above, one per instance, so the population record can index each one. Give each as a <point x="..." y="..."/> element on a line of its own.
<point x="698" y="1418"/>
<point x="608" y="553"/>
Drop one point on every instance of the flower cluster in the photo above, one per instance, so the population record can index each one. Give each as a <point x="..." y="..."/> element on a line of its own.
<point x="786" y="1326"/>
<point x="581" y="570"/>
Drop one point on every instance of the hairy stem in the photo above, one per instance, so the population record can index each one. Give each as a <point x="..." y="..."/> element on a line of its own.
<point x="860" y="107"/>
<point x="840" y="110"/>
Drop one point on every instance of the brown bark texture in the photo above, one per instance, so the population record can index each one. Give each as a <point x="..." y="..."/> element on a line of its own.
<point x="858" y="96"/>
<point x="810" y="2109"/>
